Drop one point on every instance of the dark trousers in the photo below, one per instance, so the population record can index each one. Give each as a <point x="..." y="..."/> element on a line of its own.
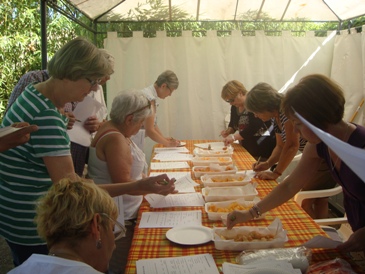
<point x="21" y="253"/>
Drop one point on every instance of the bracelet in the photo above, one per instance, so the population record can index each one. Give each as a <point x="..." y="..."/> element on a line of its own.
<point x="252" y="213"/>
<point x="277" y="172"/>
<point x="256" y="210"/>
<point x="232" y="135"/>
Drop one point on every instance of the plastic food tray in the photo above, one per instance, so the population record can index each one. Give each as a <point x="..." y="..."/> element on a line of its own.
<point x="275" y="229"/>
<point x="206" y="161"/>
<point x="220" y="216"/>
<point x="213" y="152"/>
<point x="215" y="169"/>
<point x="238" y="179"/>
<point x="219" y="194"/>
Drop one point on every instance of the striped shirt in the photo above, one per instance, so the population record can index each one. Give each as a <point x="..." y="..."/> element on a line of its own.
<point x="23" y="174"/>
<point x="283" y="120"/>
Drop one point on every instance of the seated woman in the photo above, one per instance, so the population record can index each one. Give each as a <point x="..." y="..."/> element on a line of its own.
<point x="255" y="135"/>
<point x="77" y="220"/>
<point x="114" y="157"/>
<point x="321" y="102"/>
<point x="264" y="101"/>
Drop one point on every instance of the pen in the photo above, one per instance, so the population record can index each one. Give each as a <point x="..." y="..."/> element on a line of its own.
<point x="258" y="160"/>
<point x="164" y="182"/>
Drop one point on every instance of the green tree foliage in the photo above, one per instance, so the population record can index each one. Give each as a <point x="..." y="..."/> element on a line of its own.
<point x="20" y="41"/>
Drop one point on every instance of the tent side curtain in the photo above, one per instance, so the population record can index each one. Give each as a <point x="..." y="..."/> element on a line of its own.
<point x="204" y="64"/>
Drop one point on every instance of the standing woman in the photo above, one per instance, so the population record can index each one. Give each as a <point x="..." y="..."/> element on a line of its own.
<point x="114" y="158"/>
<point x="166" y="83"/>
<point x="256" y="136"/>
<point x="29" y="170"/>
<point x="264" y="101"/>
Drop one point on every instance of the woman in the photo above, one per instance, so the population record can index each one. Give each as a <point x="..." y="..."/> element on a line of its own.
<point x="307" y="98"/>
<point x="114" y="158"/>
<point x="29" y="170"/>
<point x="256" y="136"/>
<point x="77" y="220"/>
<point x="264" y="101"/>
<point x="166" y="83"/>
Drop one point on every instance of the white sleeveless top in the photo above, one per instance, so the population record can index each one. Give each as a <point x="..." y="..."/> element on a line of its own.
<point x="98" y="171"/>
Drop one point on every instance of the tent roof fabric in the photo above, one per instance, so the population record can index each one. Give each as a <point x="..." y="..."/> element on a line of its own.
<point x="220" y="10"/>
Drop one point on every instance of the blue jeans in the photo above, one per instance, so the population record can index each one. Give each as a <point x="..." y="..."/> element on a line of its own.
<point x="21" y="253"/>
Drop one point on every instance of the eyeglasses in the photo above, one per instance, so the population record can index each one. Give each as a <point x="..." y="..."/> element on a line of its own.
<point x="93" y="82"/>
<point x="230" y="100"/>
<point x="119" y="229"/>
<point x="140" y="109"/>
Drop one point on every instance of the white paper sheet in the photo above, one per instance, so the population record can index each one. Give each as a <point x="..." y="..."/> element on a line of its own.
<point x="170" y="218"/>
<point x="176" y="175"/>
<point x="171" y="200"/>
<point x="7" y="130"/>
<point x="161" y="150"/>
<point x="196" y="264"/>
<point x="321" y="242"/>
<point x="88" y="107"/>
<point x="167" y="157"/>
<point x="169" y="165"/>
<point x="354" y="157"/>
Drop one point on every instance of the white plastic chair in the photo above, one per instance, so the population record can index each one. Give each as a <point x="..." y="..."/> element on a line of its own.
<point x="340" y="234"/>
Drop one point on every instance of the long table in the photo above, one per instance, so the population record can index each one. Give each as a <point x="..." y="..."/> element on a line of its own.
<point x="152" y="243"/>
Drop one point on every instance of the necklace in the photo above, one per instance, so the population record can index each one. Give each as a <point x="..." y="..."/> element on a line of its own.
<point x="333" y="166"/>
<point x="66" y="256"/>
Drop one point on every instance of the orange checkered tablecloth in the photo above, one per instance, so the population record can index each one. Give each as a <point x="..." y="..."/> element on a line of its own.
<point x="151" y="243"/>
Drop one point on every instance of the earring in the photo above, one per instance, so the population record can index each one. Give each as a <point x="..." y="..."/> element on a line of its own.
<point x="98" y="244"/>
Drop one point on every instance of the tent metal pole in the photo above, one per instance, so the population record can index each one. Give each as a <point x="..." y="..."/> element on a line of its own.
<point x="44" y="33"/>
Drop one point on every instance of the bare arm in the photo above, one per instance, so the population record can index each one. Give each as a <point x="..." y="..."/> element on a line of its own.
<point x="59" y="167"/>
<point x="153" y="131"/>
<point x="283" y="153"/>
<point x="304" y="171"/>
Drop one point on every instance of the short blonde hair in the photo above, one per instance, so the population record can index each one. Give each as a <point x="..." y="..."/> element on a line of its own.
<point x="232" y="89"/>
<point x="169" y="78"/>
<point x="79" y="59"/>
<point x="67" y="209"/>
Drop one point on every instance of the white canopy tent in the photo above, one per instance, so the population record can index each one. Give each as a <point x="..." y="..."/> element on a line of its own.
<point x="204" y="64"/>
<point x="218" y="10"/>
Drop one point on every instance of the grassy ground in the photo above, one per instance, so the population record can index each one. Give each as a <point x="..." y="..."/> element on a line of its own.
<point x="6" y="262"/>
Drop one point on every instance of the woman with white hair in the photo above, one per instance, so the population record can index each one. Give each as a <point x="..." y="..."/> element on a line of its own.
<point x="114" y="157"/>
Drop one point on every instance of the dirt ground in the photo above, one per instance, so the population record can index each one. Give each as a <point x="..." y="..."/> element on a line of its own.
<point x="6" y="262"/>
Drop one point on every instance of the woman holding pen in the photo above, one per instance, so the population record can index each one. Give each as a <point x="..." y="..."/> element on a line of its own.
<point x="255" y="135"/>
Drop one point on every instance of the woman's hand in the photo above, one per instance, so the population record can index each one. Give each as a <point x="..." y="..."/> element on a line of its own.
<point x="18" y="137"/>
<point x="92" y="124"/>
<point x="356" y="242"/>
<point x="224" y="133"/>
<point x="160" y="184"/>
<point x="236" y="217"/>
<point x="173" y="142"/>
<point x="266" y="175"/>
<point x="71" y="120"/>
<point x="260" y="166"/>
<point x="228" y="140"/>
